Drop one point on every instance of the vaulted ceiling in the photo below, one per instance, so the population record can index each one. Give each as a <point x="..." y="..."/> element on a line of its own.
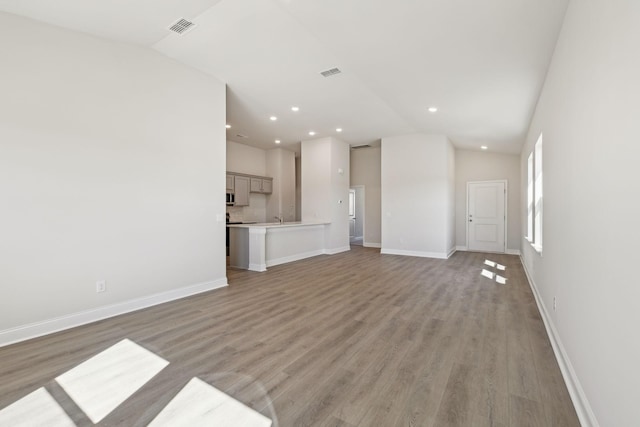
<point x="481" y="63"/>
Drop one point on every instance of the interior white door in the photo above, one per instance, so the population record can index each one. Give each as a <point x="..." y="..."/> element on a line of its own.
<point x="352" y="213"/>
<point x="486" y="217"/>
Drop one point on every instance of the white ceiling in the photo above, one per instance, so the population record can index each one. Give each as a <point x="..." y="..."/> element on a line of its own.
<point x="482" y="63"/>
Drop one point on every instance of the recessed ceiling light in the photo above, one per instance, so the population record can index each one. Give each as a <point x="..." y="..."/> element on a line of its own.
<point x="277" y="141"/>
<point x="338" y="130"/>
<point x="228" y="126"/>
<point x="433" y="109"/>
<point x="312" y="133"/>
<point x="273" y="118"/>
<point x="295" y="109"/>
<point x="484" y="147"/>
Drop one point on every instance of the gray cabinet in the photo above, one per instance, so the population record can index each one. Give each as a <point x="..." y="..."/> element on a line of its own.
<point x="230" y="183"/>
<point x="261" y="185"/>
<point x="241" y="185"/>
<point x="267" y="186"/>
<point x="241" y="189"/>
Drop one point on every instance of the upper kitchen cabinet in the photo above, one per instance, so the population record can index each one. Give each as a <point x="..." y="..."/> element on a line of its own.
<point x="241" y="190"/>
<point x="230" y="184"/>
<point x="262" y="185"/>
<point x="267" y="186"/>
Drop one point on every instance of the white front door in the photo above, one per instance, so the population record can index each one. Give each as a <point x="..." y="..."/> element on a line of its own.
<point x="486" y="202"/>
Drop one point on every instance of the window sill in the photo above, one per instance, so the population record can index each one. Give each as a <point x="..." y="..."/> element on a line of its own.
<point x="537" y="248"/>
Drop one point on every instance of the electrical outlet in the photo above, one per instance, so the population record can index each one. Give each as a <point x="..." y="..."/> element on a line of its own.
<point x="554" y="303"/>
<point x="101" y="286"/>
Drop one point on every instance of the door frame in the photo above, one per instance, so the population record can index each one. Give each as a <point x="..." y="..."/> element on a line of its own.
<point x="506" y="211"/>
<point x="358" y="188"/>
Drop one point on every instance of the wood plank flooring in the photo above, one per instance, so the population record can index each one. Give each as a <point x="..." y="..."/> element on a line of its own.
<point x="355" y="339"/>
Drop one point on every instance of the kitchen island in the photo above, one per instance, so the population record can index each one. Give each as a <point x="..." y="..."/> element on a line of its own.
<point x="258" y="246"/>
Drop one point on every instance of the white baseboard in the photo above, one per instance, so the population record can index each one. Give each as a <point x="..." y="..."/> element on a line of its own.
<point x="57" y="324"/>
<point x="296" y="257"/>
<point x="438" y="255"/>
<point x="508" y="251"/>
<point x="580" y="402"/>
<point x="257" y="267"/>
<point x="371" y="245"/>
<point x="337" y="250"/>
<point x="451" y="252"/>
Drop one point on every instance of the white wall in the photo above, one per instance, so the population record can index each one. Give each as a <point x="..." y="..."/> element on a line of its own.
<point x="487" y="166"/>
<point x="243" y="158"/>
<point x="338" y="231"/>
<point x="366" y="170"/>
<point x="325" y="188"/>
<point x="282" y="168"/>
<point x="298" y="166"/>
<point x="417" y="195"/>
<point x="451" y="198"/>
<point x="111" y="167"/>
<point x="316" y="180"/>
<point x="588" y="113"/>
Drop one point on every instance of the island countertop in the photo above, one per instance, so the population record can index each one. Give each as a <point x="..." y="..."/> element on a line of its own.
<point x="258" y="246"/>
<point x="276" y="224"/>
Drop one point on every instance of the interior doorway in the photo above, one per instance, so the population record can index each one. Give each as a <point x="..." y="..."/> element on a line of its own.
<point x="356" y="215"/>
<point x="487" y="216"/>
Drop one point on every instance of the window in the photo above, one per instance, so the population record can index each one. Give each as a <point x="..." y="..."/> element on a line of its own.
<point x="529" y="235"/>
<point x="534" y="196"/>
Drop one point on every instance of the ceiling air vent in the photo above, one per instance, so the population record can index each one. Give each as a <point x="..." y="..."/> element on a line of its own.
<point x="181" y="26"/>
<point x="331" y="72"/>
<point x="239" y="135"/>
<point x="355" y="147"/>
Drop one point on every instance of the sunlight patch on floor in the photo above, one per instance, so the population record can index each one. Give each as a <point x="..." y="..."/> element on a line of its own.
<point x="486" y="273"/>
<point x="491" y="275"/>
<point x="199" y="403"/>
<point x="102" y="383"/>
<point x="35" y="409"/>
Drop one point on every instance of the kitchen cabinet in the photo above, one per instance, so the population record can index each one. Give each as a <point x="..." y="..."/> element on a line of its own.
<point x="267" y="186"/>
<point x="241" y="185"/>
<point x="230" y="183"/>
<point x="261" y="185"/>
<point x="241" y="190"/>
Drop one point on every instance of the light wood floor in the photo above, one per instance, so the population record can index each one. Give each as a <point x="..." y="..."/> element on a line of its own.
<point x="355" y="339"/>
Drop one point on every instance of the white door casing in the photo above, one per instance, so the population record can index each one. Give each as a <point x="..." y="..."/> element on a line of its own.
<point x="352" y="213"/>
<point x="486" y="216"/>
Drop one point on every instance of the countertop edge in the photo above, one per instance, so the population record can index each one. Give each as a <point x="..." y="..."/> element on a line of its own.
<point x="277" y="225"/>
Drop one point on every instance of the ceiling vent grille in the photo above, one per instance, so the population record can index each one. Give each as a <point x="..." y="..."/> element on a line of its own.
<point x="239" y="135"/>
<point x="181" y="26"/>
<point x="331" y="72"/>
<point x="355" y="147"/>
